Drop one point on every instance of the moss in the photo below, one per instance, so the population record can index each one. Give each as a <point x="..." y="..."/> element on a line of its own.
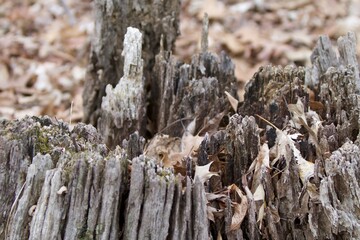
<point x="85" y="234"/>
<point x="42" y="142"/>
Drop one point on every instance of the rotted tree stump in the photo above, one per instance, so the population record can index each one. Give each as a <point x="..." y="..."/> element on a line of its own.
<point x="282" y="164"/>
<point x="286" y="166"/>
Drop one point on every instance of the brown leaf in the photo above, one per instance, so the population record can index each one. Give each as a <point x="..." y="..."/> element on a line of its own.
<point x="165" y="149"/>
<point x="212" y="125"/>
<point x="284" y="147"/>
<point x="316" y="106"/>
<point x="233" y="102"/>
<point x="298" y="114"/>
<point x="260" y="165"/>
<point x="240" y="209"/>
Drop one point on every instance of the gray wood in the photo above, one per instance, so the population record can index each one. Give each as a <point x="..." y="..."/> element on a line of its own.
<point x="58" y="183"/>
<point x="183" y="92"/>
<point x="123" y="107"/>
<point x="112" y="18"/>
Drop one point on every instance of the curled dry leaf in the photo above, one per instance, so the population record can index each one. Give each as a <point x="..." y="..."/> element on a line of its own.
<point x="299" y="118"/>
<point x="306" y="169"/>
<point x="62" y="190"/>
<point x="213" y="212"/>
<point x="285" y="147"/>
<point x="259" y="195"/>
<point x="214" y="196"/>
<point x="165" y="149"/>
<point x="203" y="172"/>
<point x="260" y="166"/>
<point x="240" y="209"/>
<point x="298" y="114"/>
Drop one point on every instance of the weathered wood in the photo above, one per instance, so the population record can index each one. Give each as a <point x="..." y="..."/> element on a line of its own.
<point x="324" y="57"/>
<point x="123" y="107"/>
<point x="85" y="193"/>
<point x="188" y="91"/>
<point x="295" y="176"/>
<point x="112" y="18"/>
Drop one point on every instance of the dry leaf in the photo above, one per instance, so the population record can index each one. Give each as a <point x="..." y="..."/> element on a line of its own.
<point x="260" y="166"/>
<point x="316" y="124"/>
<point x="212" y="125"/>
<point x="285" y="147"/>
<point x="203" y="172"/>
<point x="306" y="168"/>
<point x="240" y="210"/>
<point x="239" y="215"/>
<point x="190" y="129"/>
<point x="232" y="43"/>
<point x="233" y="102"/>
<point x="316" y="106"/>
<point x="298" y="114"/>
<point x="214" y="196"/>
<point x="261" y="214"/>
<point x="190" y="143"/>
<point x="259" y="193"/>
<point x="299" y="118"/>
<point x="165" y="149"/>
<point x="210" y="212"/>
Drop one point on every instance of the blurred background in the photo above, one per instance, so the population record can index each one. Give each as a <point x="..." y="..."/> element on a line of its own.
<point x="44" y="44"/>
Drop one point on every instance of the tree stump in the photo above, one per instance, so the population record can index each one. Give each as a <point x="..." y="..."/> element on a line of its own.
<point x="283" y="164"/>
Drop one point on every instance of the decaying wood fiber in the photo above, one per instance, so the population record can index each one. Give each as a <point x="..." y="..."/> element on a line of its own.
<point x="73" y="188"/>
<point x="123" y="108"/>
<point x="112" y="18"/>
<point x="287" y="161"/>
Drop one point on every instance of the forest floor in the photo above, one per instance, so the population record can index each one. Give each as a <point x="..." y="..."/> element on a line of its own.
<point x="45" y="44"/>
